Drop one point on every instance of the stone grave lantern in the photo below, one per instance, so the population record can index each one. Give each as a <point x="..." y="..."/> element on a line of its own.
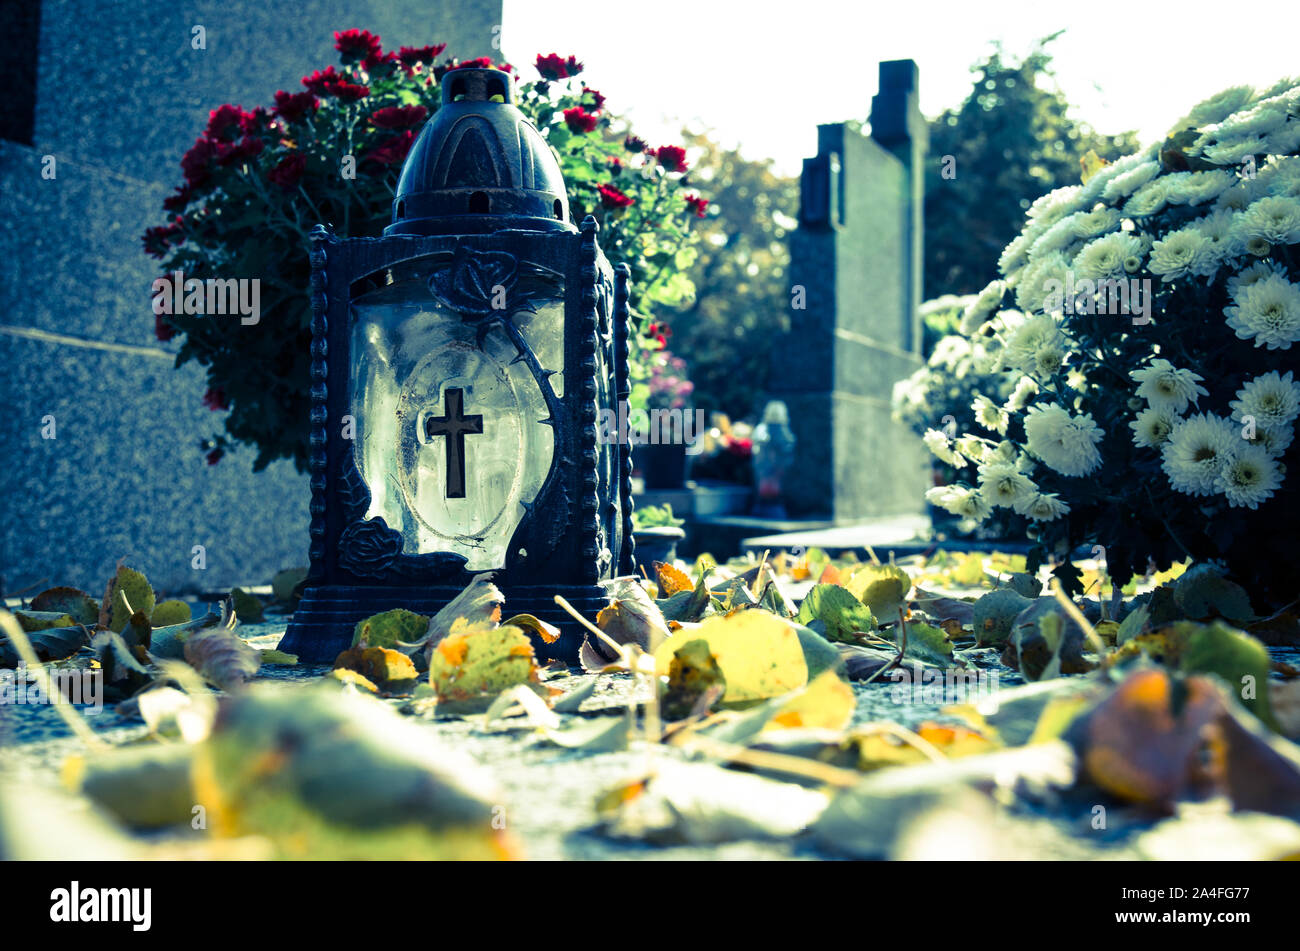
<point x="462" y="365"/>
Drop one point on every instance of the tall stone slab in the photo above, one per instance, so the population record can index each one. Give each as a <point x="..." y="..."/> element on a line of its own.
<point x="855" y="269"/>
<point x="116" y="94"/>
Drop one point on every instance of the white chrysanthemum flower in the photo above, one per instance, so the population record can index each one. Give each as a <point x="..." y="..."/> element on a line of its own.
<point x="1055" y="205"/>
<point x="1180" y="253"/>
<point x="1260" y="119"/>
<point x="1238" y="282"/>
<point x="973" y="448"/>
<point x="989" y="415"/>
<point x="1286" y="89"/>
<point x="1096" y="185"/>
<point x="1166" y="387"/>
<point x="1274" y="441"/>
<point x="1125" y="184"/>
<point x="1056" y="238"/>
<point x="1091" y="224"/>
<point x="1267" y="311"/>
<point x="1043" y="507"/>
<point x="1217" y="108"/>
<point x="1025" y="390"/>
<point x="949" y="351"/>
<point x="941" y="446"/>
<point x="1004" y="485"/>
<point x="1234" y="152"/>
<point x="1104" y="258"/>
<point x="1196" y="188"/>
<point x="1249" y="477"/>
<point x="983" y="304"/>
<point x="1063" y="442"/>
<point x="1004" y="452"/>
<point x="1196" y="452"/>
<point x="1147" y="200"/>
<point x="1039" y="332"/>
<point x="1048" y="360"/>
<point x="1236" y="198"/>
<point x="1272" y="400"/>
<point x="961" y="501"/>
<point x="1043" y="278"/>
<point x="1015" y="254"/>
<point x="1152" y="427"/>
<point x="1276" y="219"/>
<point x="1219" y="228"/>
<point x="1284" y="140"/>
<point x="1281" y="176"/>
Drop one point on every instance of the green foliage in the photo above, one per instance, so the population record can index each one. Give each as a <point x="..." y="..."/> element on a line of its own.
<point x="1011" y="140"/>
<point x="656" y="516"/>
<point x="740" y="272"/>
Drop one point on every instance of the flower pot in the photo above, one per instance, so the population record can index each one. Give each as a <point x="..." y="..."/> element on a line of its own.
<point x="657" y="544"/>
<point x="663" y="465"/>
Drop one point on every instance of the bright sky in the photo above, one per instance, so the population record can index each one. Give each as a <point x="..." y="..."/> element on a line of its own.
<point x="763" y="73"/>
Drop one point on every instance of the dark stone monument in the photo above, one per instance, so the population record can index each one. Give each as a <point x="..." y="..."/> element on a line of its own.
<point x="855" y="267"/>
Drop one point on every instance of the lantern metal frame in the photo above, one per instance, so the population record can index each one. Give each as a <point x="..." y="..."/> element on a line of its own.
<point x="575" y="534"/>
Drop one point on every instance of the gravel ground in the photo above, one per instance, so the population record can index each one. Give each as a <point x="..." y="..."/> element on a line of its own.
<point x="549" y="792"/>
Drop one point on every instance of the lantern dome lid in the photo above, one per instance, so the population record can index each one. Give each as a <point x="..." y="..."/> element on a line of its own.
<point x="479" y="165"/>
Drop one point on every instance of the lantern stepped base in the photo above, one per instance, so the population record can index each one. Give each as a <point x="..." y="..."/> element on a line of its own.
<point x="323" y="625"/>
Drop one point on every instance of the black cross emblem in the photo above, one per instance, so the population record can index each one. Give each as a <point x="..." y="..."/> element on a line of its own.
<point x="454" y="426"/>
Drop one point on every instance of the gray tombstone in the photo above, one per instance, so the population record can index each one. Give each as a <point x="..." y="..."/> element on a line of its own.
<point x="855" y="268"/>
<point x="116" y="94"/>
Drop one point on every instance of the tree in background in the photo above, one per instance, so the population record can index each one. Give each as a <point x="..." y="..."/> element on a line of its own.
<point x="740" y="274"/>
<point x="1011" y="141"/>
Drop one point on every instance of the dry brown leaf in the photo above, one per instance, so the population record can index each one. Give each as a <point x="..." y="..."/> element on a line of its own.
<point x="222" y="658"/>
<point x="1134" y="745"/>
<point x="672" y="580"/>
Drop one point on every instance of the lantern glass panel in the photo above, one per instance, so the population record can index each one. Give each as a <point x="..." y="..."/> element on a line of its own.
<point x="450" y="435"/>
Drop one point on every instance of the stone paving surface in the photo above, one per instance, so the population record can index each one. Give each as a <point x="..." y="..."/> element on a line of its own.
<point x="550" y="792"/>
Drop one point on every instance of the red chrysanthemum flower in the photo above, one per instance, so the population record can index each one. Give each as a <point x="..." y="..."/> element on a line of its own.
<point x="288" y="171"/>
<point x="598" y="100"/>
<point x="697" y="204"/>
<point x="482" y="62"/>
<point x="248" y="147"/>
<point x="615" y="165"/>
<point x="611" y="197"/>
<point x="399" y="117"/>
<point x="635" y="144"/>
<point x="380" y="64"/>
<point x="180" y="200"/>
<point x="254" y="121"/>
<point x="224" y="119"/>
<point x="292" y="106"/>
<point x="215" y="399"/>
<point x="356" y="45"/>
<point x="552" y="66"/>
<point x="320" y="81"/>
<point x="394" y="150"/>
<point x="196" y="163"/>
<point x="410" y="55"/>
<point x="330" y="82"/>
<point x="671" y="157"/>
<point x="579" y="119"/>
<point x="349" y="92"/>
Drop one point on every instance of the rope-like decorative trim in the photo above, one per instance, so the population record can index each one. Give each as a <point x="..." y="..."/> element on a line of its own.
<point x="320" y="235"/>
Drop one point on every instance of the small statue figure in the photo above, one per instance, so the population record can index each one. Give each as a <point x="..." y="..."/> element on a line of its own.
<point x="773" y="454"/>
